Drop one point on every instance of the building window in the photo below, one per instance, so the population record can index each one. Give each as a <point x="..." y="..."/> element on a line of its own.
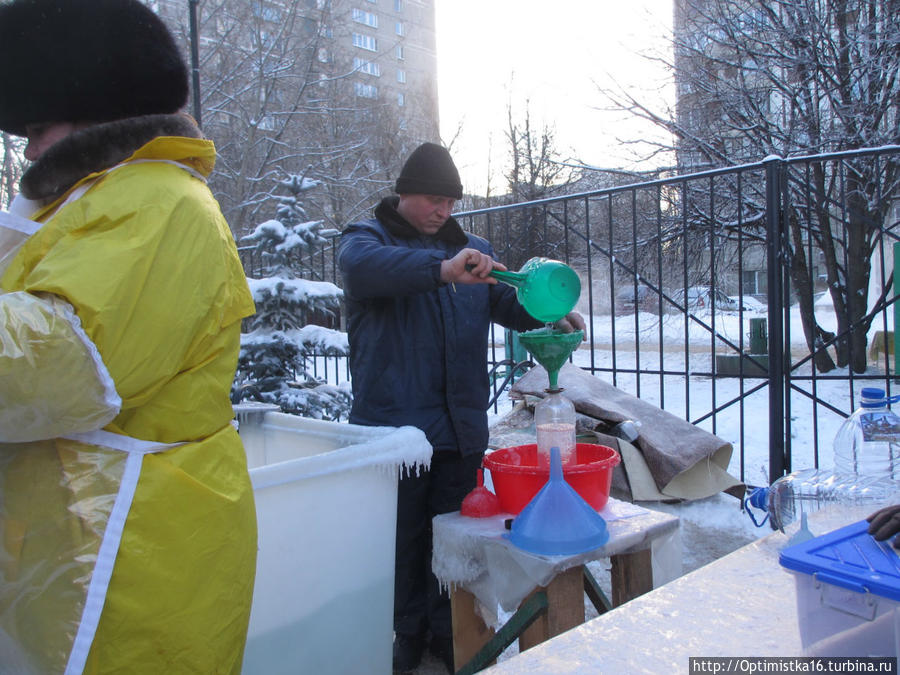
<point x="751" y="282"/>
<point x="365" y="42"/>
<point x="310" y="27"/>
<point x="398" y="6"/>
<point x="401" y="76"/>
<point x="265" y="12"/>
<point x="399" y="52"/>
<point x="399" y="28"/>
<point x="367" y="67"/>
<point x="366" y="90"/>
<point x="367" y="18"/>
<point x="401" y="99"/>
<point x="264" y="38"/>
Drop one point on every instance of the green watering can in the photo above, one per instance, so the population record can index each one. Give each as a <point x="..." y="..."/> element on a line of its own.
<point x="548" y="289"/>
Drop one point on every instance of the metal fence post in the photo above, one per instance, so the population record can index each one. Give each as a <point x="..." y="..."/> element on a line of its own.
<point x="896" y="325"/>
<point x="775" y="275"/>
<point x="195" y="61"/>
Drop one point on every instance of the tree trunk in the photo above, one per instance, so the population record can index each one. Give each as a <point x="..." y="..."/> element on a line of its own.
<point x="816" y="338"/>
<point x="859" y="252"/>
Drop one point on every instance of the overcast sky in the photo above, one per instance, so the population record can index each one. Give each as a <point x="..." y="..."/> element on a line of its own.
<point x="491" y="52"/>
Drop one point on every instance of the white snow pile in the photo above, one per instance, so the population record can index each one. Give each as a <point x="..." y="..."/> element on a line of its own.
<point x="309" y="339"/>
<point x="300" y="236"/>
<point x="314" y="292"/>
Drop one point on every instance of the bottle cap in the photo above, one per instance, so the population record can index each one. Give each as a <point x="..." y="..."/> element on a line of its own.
<point x="872" y="397"/>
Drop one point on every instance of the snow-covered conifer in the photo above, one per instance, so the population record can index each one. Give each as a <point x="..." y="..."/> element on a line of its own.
<point x="279" y="345"/>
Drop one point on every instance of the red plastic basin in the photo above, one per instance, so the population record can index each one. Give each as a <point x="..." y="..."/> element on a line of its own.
<point x="517" y="476"/>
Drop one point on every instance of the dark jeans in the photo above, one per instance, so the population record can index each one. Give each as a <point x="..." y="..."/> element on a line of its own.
<point x="419" y="604"/>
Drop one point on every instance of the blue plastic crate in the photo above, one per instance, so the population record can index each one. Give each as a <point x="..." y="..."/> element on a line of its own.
<point x="849" y="558"/>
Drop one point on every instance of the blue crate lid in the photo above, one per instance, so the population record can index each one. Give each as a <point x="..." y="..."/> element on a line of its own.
<point x="850" y="558"/>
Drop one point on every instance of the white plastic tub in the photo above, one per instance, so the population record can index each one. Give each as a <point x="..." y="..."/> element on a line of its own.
<point x="836" y="621"/>
<point x="848" y="593"/>
<point x="326" y="496"/>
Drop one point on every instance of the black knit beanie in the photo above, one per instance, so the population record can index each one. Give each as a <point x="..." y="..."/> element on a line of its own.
<point x="85" y="60"/>
<point x="429" y="171"/>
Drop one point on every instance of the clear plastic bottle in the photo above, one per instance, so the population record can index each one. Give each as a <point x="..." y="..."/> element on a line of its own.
<point x="554" y="421"/>
<point x="809" y="490"/>
<point x="868" y="442"/>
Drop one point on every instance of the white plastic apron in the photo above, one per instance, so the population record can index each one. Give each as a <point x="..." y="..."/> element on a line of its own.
<point x="63" y="507"/>
<point x="14" y="231"/>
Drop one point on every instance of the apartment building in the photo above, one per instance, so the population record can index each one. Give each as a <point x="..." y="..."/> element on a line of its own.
<point x="711" y="89"/>
<point x="338" y="91"/>
<point x="802" y="80"/>
<point x="384" y="49"/>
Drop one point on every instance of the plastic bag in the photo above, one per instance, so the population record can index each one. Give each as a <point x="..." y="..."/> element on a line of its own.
<point x="52" y="379"/>
<point x="50" y="536"/>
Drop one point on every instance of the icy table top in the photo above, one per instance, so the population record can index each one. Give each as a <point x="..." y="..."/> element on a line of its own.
<point x="472" y="553"/>
<point x="742" y="604"/>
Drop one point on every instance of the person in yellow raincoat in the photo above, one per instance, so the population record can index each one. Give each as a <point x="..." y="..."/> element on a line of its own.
<point x="127" y="523"/>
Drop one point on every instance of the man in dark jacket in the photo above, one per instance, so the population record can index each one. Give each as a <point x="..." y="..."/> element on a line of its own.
<point x="420" y="304"/>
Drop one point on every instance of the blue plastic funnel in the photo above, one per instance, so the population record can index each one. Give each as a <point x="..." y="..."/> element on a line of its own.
<point x="557" y="521"/>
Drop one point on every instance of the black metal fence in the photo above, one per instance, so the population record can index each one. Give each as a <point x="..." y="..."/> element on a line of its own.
<point x="753" y="301"/>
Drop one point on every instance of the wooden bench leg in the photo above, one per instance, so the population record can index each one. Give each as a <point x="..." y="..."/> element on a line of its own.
<point x="631" y="575"/>
<point x="565" y="609"/>
<point x="470" y="633"/>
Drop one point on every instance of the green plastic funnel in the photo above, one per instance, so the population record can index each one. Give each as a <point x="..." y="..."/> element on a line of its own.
<point x="551" y="348"/>
<point x="548" y="289"/>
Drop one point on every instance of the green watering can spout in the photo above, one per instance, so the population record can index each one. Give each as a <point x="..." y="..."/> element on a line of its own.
<point x="516" y="279"/>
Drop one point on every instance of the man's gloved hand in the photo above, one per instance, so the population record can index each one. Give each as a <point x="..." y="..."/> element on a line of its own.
<point x="885" y="523"/>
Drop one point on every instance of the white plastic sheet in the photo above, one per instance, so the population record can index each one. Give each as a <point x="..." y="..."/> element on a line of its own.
<point x="473" y="553"/>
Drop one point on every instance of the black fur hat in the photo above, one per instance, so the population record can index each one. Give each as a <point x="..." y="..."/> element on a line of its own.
<point x="429" y="171"/>
<point x="85" y="61"/>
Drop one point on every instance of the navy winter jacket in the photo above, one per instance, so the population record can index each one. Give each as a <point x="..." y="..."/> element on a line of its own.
<point x="418" y="347"/>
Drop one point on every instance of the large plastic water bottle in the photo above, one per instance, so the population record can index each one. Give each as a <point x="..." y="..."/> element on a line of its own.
<point x="868" y="442"/>
<point x="806" y="491"/>
<point x="554" y="421"/>
<point x="866" y="469"/>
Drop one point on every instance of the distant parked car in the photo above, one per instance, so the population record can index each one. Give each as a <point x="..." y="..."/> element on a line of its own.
<point x="701" y="297"/>
<point x="750" y="304"/>
<point x="645" y="299"/>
